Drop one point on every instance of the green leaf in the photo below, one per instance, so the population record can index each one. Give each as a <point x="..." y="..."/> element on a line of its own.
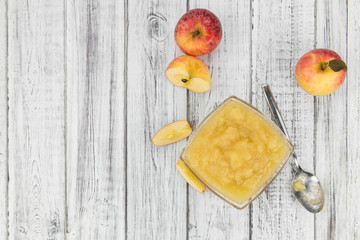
<point x="337" y="65"/>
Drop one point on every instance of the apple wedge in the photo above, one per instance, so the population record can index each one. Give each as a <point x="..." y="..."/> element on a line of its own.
<point x="171" y="133"/>
<point x="189" y="72"/>
<point x="190" y="177"/>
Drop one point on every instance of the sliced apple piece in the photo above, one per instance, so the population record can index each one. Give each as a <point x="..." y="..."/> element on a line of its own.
<point x="172" y="132"/>
<point x="190" y="177"/>
<point x="189" y="72"/>
<point x="299" y="186"/>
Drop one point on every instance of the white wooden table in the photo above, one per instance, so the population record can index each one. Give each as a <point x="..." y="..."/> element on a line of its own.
<point x="83" y="89"/>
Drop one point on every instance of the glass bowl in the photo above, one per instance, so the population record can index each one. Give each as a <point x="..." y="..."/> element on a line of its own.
<point x="258" y="186"/>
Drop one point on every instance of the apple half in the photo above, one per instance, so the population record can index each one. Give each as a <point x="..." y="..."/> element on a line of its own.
<point x="189" y="177"/>
<point x="171" y="133"/>
<point x="189" y="72"/>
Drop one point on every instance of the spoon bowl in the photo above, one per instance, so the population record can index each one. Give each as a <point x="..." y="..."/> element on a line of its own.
<point x="310" y="194"/>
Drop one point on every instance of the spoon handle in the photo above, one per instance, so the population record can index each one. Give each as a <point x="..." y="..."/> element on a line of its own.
<point x="275" y="112"/>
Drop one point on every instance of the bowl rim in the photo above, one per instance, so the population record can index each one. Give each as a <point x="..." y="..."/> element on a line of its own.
<point x="267" y="183"/>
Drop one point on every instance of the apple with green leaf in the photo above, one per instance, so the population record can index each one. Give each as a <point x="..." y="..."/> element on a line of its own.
<point x="320" y="72"/>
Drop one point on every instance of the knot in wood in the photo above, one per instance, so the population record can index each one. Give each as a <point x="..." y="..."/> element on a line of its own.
<point x="157" y="26"/>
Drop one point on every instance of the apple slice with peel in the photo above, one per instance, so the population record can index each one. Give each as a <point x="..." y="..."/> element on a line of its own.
<point x="189" y="72"/>
<point x="190" y="177"/>
<point x="172" y="132"/>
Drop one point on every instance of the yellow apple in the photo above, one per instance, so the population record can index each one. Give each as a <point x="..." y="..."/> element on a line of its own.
<point x="189" y="72"/>
<point x="171" y="133"/>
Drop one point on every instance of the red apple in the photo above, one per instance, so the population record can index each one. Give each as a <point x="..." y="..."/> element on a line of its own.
<point x="198" y="32"/>
<point x="320" y="72"/>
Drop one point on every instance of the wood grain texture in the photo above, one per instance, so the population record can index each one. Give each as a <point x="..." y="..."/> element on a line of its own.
<point x="282" y="32"/>
<point x="331" y="125"/>
<point x="156" y="193"/>
<point x="3" y="123"/>
<point x="36" y="120"/>
<point x="87" y="91"/>
<point x="230" y="67"/>
<point x="95" y="130"/>
<point x="353" y="129"/>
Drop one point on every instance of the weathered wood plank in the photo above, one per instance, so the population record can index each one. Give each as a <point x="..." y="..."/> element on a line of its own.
<point x="156" y="193"/>
<point x="95" y="131"/>
<point x="3" y="123"/>
<point x="36" y="120"/>
<point x="230" y="67"/>
<point x="353" y="129"/>
<point x="330" y="126"/>
<point x="282" y="33"/>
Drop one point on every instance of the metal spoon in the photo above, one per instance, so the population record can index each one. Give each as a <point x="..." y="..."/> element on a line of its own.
<point x="305" y="186"/>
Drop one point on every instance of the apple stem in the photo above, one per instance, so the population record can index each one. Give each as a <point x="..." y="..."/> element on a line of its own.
<point x="195" y="33"/>
<point x="323" y="65"/>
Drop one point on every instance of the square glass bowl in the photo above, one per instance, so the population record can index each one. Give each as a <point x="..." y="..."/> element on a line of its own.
<point x="236" y="152"/>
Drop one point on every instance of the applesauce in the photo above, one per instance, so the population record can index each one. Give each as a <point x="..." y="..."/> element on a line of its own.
<point x="237" y="151"/>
